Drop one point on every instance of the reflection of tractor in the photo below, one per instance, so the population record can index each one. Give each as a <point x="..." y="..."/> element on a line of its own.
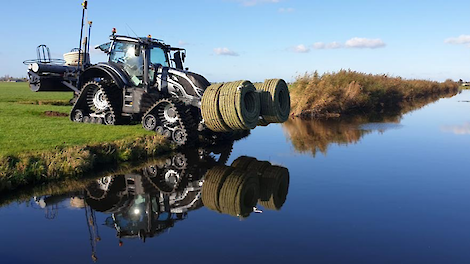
<point x="144" y="80"/>
<point x="152" y="199"/>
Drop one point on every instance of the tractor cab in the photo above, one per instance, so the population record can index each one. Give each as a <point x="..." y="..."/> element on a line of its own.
<point x="151" y="64"/>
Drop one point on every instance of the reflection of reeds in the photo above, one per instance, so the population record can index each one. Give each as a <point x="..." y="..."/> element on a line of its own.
<point x="350" y="92"/>
<point x="317" y="134"/>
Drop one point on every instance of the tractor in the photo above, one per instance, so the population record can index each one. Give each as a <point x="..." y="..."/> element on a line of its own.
<point x="144" y="80"/>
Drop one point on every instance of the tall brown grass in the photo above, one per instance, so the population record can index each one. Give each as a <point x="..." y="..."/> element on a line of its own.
<point x="348" y="92"/>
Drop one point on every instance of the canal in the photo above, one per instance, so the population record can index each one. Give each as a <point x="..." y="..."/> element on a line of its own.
<point x="392" y="189"/>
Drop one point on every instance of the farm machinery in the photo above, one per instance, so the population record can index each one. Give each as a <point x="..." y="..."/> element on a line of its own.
<point x="144" y="80"/>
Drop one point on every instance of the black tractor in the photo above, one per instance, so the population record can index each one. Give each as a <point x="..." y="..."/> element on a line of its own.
<point x="143" y="80"/>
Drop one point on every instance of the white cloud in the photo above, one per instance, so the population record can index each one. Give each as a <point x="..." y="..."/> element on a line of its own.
<point x="363" y="43"/>
<point x="462" y="39"/>
<point x="301" y="49"/>
<point x="286" y="10"/>
<point x="331" y="45"/>
<point x="256" y="2"/>
<point x="458" y="130"/>
<point x="182" y="43"/>
<point x="225" y="52"/>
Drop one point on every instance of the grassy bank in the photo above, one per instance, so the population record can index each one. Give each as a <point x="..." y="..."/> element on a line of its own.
<point x="36" y="147"/>
<point x="349" y="92"/>
<point x="24" y="126"/>
<point x="75" y="162"/>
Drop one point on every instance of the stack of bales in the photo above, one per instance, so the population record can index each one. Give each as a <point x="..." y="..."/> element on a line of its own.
<point x="235" y="190"/>
<point x="231" y="106"/>
<point x="240" y="106"/>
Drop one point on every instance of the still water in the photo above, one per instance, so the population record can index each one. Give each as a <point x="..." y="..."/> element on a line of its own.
<point x="355" y="191"/>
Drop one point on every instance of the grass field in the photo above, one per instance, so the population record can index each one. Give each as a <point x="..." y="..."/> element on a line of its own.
<point x="25" y="128"/>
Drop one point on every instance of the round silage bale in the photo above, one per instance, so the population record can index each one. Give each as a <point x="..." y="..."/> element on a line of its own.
<point x="275" y="100"/>
<point x="274" y="186"/>
<point x="239" y="105"/>
<point x="210" y="109"/>
<point x="213" y="182"/>
<point x="239" y="193"/>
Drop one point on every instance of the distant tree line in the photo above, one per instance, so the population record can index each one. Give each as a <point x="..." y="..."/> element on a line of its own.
<point x="8" y="78"/>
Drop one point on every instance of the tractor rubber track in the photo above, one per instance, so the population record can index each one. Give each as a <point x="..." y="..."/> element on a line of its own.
<point x="183" y="130"/>
<point x="84" y="111"/>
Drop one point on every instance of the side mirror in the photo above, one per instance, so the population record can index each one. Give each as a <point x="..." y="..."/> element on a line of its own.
<point x="137" y="50"/>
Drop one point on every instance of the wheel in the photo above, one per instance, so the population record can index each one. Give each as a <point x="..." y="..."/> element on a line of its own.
<point x="179" y="136"/>
<point x="149" y="122"/>
<point x="96" y="97"/>
<point x="159" y="130"/>
<point x="166" y="133"/>
<point x="170" y="113"/>
<point x="109" y="119"/>
<point x="86" y="119"/>
<point x="77" y="116"/>
<point x="99" y="120"/>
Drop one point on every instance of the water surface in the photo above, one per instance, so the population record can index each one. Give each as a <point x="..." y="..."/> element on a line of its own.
<point x="396" y="190"/>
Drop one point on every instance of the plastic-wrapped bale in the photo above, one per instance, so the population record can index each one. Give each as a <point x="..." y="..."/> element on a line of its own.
<point x="274" y="186"/>
<point x="275" y="101"/>
<point x="239" y="193"/>
<point x="210" y="109"/>
<point x="239" y="105"/>
<point x="213" y="183"/>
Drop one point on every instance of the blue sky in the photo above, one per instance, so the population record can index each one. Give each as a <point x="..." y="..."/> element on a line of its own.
<point x="258" y="39"/>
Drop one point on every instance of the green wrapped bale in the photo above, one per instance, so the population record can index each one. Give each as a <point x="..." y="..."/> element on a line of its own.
<point x="275" y="101"/>
<point x="239" y="105"/>
<point x="210" y="109"/>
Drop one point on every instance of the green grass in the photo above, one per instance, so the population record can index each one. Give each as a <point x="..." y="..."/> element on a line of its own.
<point x="25" y="128"/>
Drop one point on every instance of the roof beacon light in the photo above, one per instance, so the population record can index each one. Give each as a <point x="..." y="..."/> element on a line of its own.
<point x="149" y="36"/>
<point x="114" y="31"/>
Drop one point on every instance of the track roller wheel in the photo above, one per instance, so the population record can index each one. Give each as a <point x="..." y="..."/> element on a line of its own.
<point x="109" y="119"/>
<point x="86" y="119"/>
<point x="179" y="136"/>
<point x="77" y="116"/>
<point x="149" y="122"/>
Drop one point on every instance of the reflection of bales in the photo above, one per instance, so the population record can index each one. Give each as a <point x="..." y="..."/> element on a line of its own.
<point x="213" y="182"/>
<point x="274" y="181"/>
<point x="235" y="190"/>
<point x="239" y="193"/>
<point x="274" y="184"/>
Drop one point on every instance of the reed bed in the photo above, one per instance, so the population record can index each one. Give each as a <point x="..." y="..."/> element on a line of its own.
<point x="349" y="92"/>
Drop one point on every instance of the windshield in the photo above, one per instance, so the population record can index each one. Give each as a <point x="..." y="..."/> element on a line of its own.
<point x="158" y="56"/>
<point x="124" y="54"/>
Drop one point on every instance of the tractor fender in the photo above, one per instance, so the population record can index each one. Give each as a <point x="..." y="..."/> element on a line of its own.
<point x="105" y="70"/>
